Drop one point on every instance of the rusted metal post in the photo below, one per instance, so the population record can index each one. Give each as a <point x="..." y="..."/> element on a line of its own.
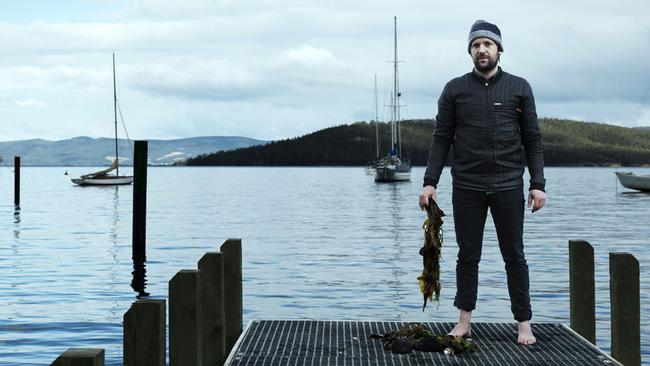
<point x="185" y="329"/>
<point x="626" y="309"/>
<point x="80" y="357"/>
<point x="582" y="289"/>
<point x="233" y="300"/>
<point x="139" y="242"/>
<point x="212" y="315"/>
<point x="145" y="334"/>
<point x="17" y="181"/>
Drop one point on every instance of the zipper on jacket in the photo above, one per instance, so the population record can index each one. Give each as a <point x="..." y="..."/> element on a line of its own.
<point x="492" y="140"/>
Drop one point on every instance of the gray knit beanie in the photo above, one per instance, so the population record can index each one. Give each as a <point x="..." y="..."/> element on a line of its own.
<point x="483" y="29"/>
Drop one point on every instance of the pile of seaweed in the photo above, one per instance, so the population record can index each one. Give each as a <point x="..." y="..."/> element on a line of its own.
<point x="416" y="336"/>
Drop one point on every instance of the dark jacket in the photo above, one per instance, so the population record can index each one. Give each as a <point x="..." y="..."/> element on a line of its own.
<point x="490" y="123"/>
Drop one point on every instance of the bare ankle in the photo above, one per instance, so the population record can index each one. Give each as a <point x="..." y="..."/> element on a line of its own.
<point x="524" y="324"/>
<point x="465" y="316"/>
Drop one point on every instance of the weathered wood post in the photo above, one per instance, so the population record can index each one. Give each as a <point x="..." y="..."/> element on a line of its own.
<point x="212" y="308"/>
<point x="582" y="289"/>
<point x="17" y="180"/>
<point x="625" y="305"/>
<point x="145" y="333"/>
<point x="185" y="340"/>
<point x="80" y="357"/>
<point x="139" y="242"/>
<point x="233" y="302"/>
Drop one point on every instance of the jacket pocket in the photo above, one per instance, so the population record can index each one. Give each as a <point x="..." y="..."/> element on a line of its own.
<point x="506" y="111"/>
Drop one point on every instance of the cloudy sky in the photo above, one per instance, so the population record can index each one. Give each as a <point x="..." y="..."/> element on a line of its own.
<point x="283" y="68"/>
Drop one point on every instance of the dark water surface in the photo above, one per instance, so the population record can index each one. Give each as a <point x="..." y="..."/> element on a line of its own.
<point x="318" y="243"/>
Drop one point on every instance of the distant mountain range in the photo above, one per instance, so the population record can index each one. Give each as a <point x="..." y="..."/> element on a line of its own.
<point x="86" y="151"/>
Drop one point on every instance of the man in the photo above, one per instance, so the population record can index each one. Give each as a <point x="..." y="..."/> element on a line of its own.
<point x="489" y="117"/>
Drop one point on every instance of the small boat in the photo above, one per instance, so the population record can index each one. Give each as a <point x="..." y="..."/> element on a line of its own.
<point x="633" y="181"/>
<point x="102" y="178"/>
<point x="393" y="167"/>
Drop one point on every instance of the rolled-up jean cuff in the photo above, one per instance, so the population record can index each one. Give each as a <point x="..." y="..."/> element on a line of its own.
<point x="524" y="317"/>
<point x="464" y="306"/>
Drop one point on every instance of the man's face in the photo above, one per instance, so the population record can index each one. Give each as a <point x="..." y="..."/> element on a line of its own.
<point x="485" y="54"/>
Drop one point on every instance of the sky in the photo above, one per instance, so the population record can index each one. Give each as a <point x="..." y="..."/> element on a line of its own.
<point x="279" y="69"/>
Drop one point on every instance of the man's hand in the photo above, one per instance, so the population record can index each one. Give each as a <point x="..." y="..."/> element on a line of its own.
<point x="536" y="199"/>
<point x="427" y="191"/>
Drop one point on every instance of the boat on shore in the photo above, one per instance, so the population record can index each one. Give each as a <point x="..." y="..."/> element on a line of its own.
<point x="633" y="181"/>
<point x="102" y="178"/>
<point x="393" y="167"/>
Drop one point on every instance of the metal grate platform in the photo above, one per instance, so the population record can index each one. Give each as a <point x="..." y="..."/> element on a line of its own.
<point x="307" y="342"/>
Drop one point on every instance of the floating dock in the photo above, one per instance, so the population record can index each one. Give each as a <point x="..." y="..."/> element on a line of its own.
<point x="308" y="342"/>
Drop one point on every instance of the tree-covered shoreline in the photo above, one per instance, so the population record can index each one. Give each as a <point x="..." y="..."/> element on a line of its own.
<point x="566" y="143"/>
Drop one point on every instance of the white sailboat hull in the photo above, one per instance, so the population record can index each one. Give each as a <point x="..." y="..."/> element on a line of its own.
<point x="106" y="181"/>
<point x="391" y="175"/>
<point x="633" y="181"/>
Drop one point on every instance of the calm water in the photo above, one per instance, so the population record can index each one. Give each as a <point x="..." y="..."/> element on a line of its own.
<point x="318" y="243"/>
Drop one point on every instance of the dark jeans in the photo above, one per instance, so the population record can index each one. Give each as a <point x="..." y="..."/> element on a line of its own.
<point x="470" y="212"/>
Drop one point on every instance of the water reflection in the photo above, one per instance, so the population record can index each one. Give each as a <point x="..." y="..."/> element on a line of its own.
<point x="116" y="219"/>
<point x="139" y="282"/>
<point x="396" y="191"/>
<point x="139" y="273"/>
<point x="17" y="222"/>
<point x="635" y="194"/>
<point x="114" y="249"/>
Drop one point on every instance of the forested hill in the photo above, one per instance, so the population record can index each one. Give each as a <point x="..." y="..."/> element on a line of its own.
<point x="345" y="145"/>
<point x="566" y="143"/>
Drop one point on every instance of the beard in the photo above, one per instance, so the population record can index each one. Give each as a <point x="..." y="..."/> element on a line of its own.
<point x="493" y="61"/>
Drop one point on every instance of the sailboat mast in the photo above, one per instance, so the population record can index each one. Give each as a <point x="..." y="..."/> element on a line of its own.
<point x="117" y="159"/>
<point x="376" y="120"/>
<point x="397" y="95"/>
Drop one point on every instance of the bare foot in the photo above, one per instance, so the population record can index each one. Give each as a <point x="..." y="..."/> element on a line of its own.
<point x="526" y="336"/>
<point x="464" y="326"/>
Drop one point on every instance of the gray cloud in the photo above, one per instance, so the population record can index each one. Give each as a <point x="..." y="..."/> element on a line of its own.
<point x="280" y="69"/>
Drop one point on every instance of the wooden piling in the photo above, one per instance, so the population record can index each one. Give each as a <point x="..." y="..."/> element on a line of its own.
<point x="17" y="180"/>
<point x="625" y="307"/>
<point x="233" y="301"/>
<point x="582" y="287"/>
<point x="212" y="308"/>
<point x="139" y="241"/>
<point x="185" y="340"/>
<point x="80" y="357"/>
<point x="145" y="334"/>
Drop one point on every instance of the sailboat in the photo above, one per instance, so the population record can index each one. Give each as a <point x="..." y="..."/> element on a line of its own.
<point x="102" y="178"/>
<point x="393" y="167"/>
